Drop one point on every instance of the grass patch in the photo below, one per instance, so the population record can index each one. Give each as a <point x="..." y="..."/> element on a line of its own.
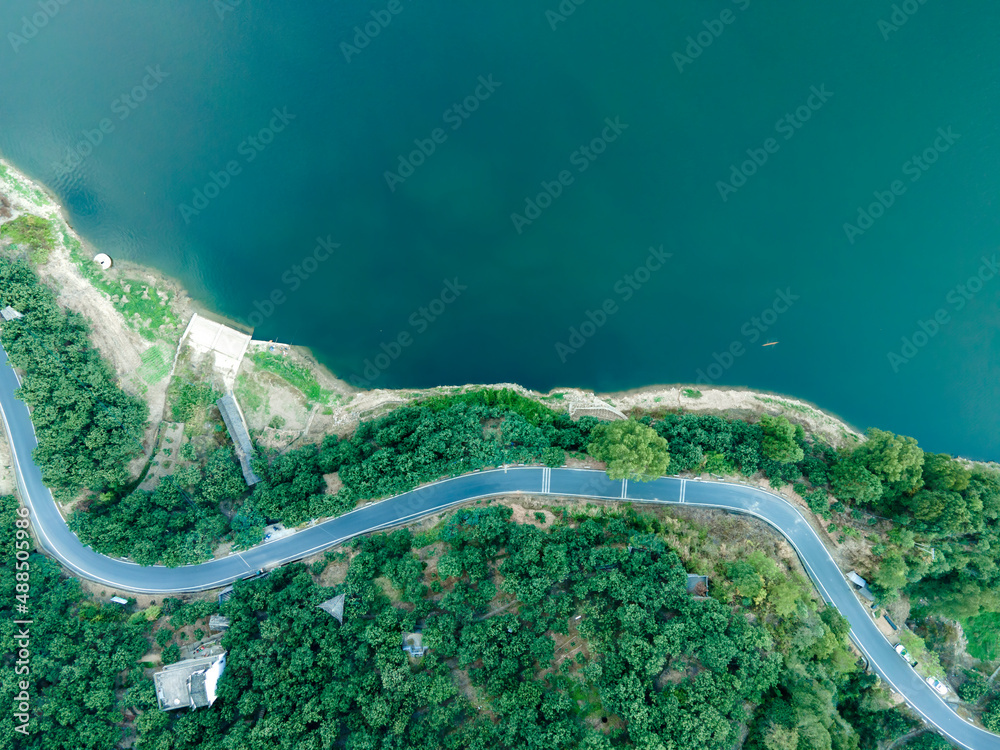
<point x="35" y="196"/>
<point x="784" y="404"/>
<point x="155" y="365"/>
<point x="296" y="375"/>
<point x="33" y="234"/>
<point x="249" y="394"/>
<point x="188" y="399"/>
<point x="983" y="633"/>
<point x="146" y="309"/>
<point x="691" y="393"/>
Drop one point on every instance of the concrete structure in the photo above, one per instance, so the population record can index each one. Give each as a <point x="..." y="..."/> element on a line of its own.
<point x="413" y="644"/>
<point x="232" y="415"/>
<point x="597" y="408"/>
<point x="334" y="607"/>
<point x="218" y="622"/>
<point x="697" y="585"/>
<point x="225" y="594"/>
<point x="103" y="260"/>
<point x="9" y="313"/>
<point x="119" y="600"/>
<point x="191" y="683"/>
<point x="226" y="345"/>
<point x="862" y="585"/>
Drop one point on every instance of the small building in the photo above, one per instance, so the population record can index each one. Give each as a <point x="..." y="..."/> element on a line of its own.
<point x="9" y="313"/>
<point x="225" y="594"/>
<point x="191" y="683"/>
<point x="862" y="585"/>
<point x="218" y="623"/>
<point x="413" y="644"/>
<point x="334" y="607"/>
<point x="119" y="600"/>
<point x="857" y="580"/>
<point x="232" y="415"/>
<point x="697" y="585"/>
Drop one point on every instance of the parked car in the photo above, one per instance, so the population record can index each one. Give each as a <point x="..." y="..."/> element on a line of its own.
<point x="901" y="650"/>
<point x="940" y="687"/>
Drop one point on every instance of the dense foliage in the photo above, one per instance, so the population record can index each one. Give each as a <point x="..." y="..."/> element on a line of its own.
<point x="88" y="429"/>
<point x="630" y="450"/>
<point x="659" y="667"/>
<point x="82" y="655"/>
<point x="176" y="523"/>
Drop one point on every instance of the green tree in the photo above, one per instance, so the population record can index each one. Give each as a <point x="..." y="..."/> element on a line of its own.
<point x="890" y="577"/>
<point x="780" y="737"/>
<point x="974" y="687"/>
<point x="991" y="716"/>
<point x="779" y="442"/>
<point x="852" y="481"/>
<point x="630" y="449"/>
<point x="894" y="459"/>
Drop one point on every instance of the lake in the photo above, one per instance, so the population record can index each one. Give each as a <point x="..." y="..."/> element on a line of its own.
<point x="593" y="194"/>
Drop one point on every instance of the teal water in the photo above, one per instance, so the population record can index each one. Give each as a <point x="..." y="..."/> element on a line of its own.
<point x="225" y="68"/>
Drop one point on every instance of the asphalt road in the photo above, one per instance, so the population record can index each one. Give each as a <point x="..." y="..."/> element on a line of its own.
<point x="61" y="543"/>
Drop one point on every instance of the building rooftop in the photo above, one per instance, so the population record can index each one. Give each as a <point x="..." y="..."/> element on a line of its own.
<point x="237" y="426"/>
<point x="191" y="683"/>
<point x="9" y="313"/>
<point x="335" y="607"/>
<point x="218" y="622"/>
<point x="697" y="585"/>
<point x="413" y="644"/>
<point x="857" y="580"/>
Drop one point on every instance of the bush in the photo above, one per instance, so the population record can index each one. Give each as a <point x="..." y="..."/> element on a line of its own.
<point x="171" y="654"/>
<point x="991" y="717"/>
<point x="974" y="687"/>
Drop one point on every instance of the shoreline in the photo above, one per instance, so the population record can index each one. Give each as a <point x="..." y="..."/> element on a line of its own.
<point x="110" y="328"/>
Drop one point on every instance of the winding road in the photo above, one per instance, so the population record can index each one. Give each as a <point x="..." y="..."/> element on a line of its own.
<point x="57" y="539"/>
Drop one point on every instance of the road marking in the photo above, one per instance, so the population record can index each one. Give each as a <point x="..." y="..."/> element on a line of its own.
<point x="624" y="488"/>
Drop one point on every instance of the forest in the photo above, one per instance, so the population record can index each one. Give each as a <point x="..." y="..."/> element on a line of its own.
<point x="576" y="630"/>
<point x="88" y="428"/>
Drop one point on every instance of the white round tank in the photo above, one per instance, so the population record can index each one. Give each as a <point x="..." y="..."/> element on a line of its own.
<point x="103" y="260"/>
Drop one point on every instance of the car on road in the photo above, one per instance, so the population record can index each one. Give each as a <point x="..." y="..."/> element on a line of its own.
<point x="940" y="687"/>
<point x="901" y="650"/>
